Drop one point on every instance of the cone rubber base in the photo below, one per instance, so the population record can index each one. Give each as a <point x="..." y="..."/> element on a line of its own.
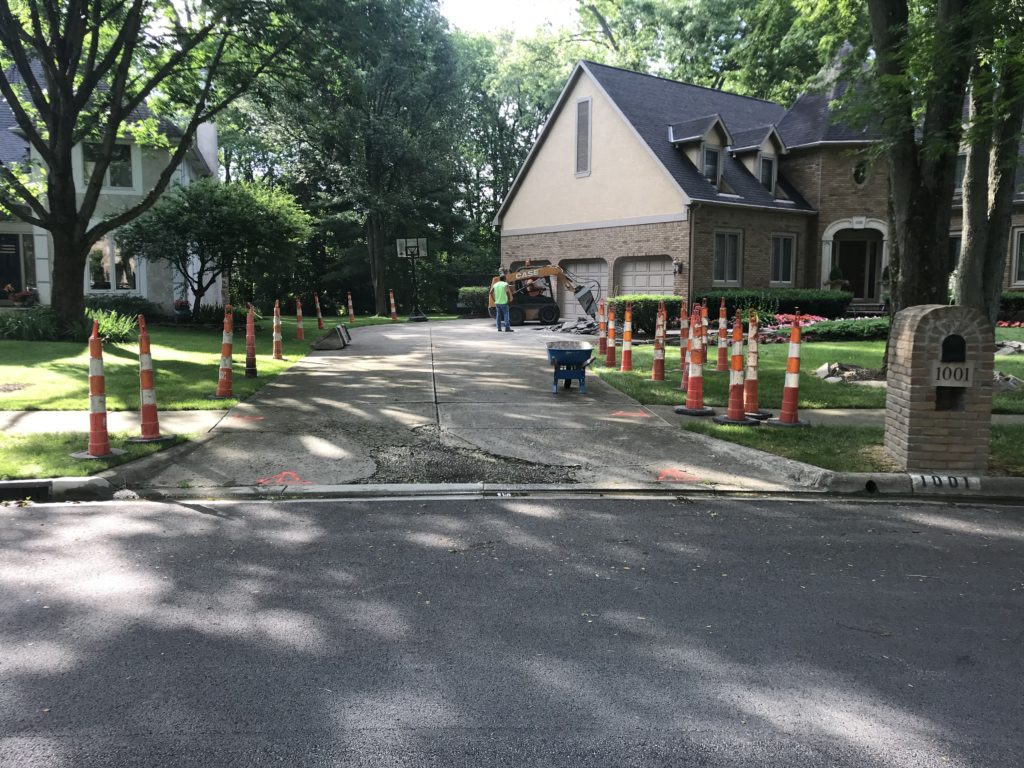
<point x="251" y="374"/>
<point x="778" y="423"/>
<point x="87" y="455"/>
<point x="682" y="410"/>
<point x="219" y="397"/>
<point x="747" y="422"/>
<point x="161" y="439"/>
<point x="759" y="415"/>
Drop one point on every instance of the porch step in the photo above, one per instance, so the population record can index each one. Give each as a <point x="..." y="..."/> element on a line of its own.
<point x="865" y="309"/>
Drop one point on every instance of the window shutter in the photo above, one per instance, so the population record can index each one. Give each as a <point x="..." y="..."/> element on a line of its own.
<point x="583" y="137"/>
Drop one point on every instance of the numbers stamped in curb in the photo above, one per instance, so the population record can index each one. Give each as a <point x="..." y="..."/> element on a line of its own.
<point x="945" y="483"/>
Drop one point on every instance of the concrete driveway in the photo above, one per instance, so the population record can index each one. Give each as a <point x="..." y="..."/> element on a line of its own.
<point x="452" y="402"/>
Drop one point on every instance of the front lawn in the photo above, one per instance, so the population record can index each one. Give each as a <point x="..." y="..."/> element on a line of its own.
<point x="852" y="449"/>
<point x="48" y="454"/>
<point x="814" y="392"/>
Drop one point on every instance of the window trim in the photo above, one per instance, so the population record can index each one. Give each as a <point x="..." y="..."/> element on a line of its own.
<point x="775" y="169"/>
<point x="704" y="148"/>
<point x="590" y="138"/>
<point x="791" y="236"/>
<point x="958" y="189"/>
<point x="108" y="249"/>
<point x="78" y="169"/>
<point x="739" y="257"/>
<point x="1017" y="241"/>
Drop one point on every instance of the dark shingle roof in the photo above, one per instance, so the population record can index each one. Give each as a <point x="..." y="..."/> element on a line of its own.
<point x="651" y="104"/>
<point x="749" y="139"/>
<point x="691" y="130"/>
<point x="810" y="121"/>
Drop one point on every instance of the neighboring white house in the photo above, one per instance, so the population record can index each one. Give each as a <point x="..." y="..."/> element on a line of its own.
<point x="26" y="255"/>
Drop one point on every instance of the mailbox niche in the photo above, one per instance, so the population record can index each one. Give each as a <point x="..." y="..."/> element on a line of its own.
<point x="939" y="399"/>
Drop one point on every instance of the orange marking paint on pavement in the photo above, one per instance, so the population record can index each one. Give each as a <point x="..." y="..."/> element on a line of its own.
<point x="283" y="478"/>
<point x="677" y="476"/>
<point x="633" y="414"/>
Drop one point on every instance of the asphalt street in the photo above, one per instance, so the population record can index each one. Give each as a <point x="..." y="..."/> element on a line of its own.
<point x="512" y="631"/>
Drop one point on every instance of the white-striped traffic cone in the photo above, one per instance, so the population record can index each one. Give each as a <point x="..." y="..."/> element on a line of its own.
<point x="788" y="414"/>
<point x="394" y="312"/>
<point x="319" y="316"/>
<point x="685" y="346"/>
<point x="351" y="310"/>
<point x="300" y="334"/>
<point x="602" y="329"/>
<point x="723" y="339"/>
<point x="734" y="415"/>
<point x="99" y="439"/>
<point x="224" y="383"/>
<point x="750" y="393"/>
<point x="609" y="357"/>
<point x="695" y="384"/>
<point x="627" y="340"/>
<point x="277" y="331"/>
<point x="149" y="420"/>
<point x="658" y="367"/>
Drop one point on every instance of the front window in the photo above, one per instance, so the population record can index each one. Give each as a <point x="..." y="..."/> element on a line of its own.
<point x="783" y="247"/>
<point x="110" y="269"/>
<point x="955" y="244"/>
<point x="119" y="172"/>
<point x="727" y="257"/>
<point x="961" y="171"/>
<point x="768" y="173"/>
<point x="1018" y="272"/>
<point x="712" y="165"/>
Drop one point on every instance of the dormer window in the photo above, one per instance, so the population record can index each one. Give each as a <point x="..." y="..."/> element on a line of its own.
<point x="119" y="172"/>
<point x="768" y="172"/>
<point x="712" y="163"/>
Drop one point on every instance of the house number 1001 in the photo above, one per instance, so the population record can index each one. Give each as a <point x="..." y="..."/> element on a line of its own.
<point x="946" y="483"/>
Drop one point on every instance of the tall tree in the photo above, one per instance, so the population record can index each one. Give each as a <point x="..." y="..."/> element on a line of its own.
<point x="98" y="71"/>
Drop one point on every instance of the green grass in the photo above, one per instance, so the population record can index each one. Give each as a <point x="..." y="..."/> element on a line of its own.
<point x="49" y="454"/>
<point x="814" y="392"/>
<point x="853" y="449"/>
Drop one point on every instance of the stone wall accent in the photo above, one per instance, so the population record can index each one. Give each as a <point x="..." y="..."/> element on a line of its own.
<point x="670" y="239"/>
<point x="925" y="428"/>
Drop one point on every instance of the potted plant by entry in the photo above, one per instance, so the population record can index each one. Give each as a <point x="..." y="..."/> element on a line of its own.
<point x="835" y="279"/>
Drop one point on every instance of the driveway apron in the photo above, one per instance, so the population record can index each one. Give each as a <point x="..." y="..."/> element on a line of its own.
<point x="446" y="402"/>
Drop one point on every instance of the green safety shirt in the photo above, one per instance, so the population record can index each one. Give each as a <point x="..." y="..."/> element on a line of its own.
<point x="500" y="292"/>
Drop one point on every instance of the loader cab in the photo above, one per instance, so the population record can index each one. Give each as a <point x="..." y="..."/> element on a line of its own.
<point x="533" y="297"/>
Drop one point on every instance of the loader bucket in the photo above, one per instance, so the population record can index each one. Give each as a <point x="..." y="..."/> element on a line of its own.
<point x="337" y="338"/>
<point x="586" y="300"/>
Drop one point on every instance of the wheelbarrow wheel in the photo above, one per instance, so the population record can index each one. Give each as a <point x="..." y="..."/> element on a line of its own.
<point x="567" y="384"/>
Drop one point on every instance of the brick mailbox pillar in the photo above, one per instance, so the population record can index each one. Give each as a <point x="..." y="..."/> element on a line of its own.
<point x="938" y="408"/>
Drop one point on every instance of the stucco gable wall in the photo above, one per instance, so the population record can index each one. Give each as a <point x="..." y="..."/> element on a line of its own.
<point x="625" y="182"/>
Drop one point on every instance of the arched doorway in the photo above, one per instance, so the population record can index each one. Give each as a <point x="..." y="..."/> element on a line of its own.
<point x="858" y="247"/>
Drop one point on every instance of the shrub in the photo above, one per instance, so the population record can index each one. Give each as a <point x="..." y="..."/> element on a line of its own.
<point x="213" y="314"/>
<point x="1011" y="305"/>
<point x="645" y="309"/>
<point x="124" y="305"/>
<point x="862" y="329"/>
<point x="473" y="300"/>
<point x="114" y="326"/>
<point x="772" y="301"/>
<point x="36" y="324"/>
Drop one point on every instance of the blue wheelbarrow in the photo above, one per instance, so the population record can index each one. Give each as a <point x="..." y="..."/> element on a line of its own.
<point x="570" y="360"/>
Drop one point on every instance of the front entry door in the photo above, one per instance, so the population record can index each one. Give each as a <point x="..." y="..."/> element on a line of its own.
<point x="859" y="260"/>
<point x="10" y="261"/>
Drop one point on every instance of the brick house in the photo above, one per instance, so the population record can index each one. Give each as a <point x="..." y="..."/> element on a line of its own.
<point x="648" y="185"/>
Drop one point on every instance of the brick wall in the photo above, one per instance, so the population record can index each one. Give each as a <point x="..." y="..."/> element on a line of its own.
<point x="756" y="228"/>
<point x="670" y="239"/>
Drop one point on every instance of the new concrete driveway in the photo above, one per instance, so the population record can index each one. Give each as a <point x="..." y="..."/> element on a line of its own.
<point x="453" y="402"/>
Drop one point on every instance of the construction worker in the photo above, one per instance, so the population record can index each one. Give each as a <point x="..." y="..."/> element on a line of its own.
<point x="501" y="295"/>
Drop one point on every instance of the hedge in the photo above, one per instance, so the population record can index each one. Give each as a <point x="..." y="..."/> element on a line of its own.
<point x="864" y="329"/>
<point x="645" y="310"/>
<point x="1011" y="305"/>
<point x="473" y="299"/>
<point x="771" y="301"/>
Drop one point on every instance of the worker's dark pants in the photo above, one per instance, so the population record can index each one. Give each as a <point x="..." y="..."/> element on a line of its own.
<point x="501" y="310"/>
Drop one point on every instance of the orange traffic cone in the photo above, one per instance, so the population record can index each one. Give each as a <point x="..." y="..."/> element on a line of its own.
<point x="277" y="331"/>
<point x="695" y="384"/>
<point x="658" y="367"/>
<point x="351" y="311"/>
<point x="734" y="414"/>
<point x="250" y="344"/>
<point x="609" y="358"/>
<point x="705" y="325"/>
<point x="686" y="352"/>
<point x="750" y="395"/>
<point x="694" y="389"/>
<point x="723" y="339"/>
<point x="319" y="317"/>
<point x="684" y="334"/>
<point x="788" y="416"/>
<point x="394" y="313"/>
<point x="226" y="342"/>
<point x="627" y="340"/>
<point x="148" y="418"/>
<point x="299" y="333"/>
<point x="602" y="330"/>
<point x="99" y="440"/>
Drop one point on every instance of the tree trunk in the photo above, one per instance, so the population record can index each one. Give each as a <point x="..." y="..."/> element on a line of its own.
<point x="68" y="298"/>
<point x="375" y="249"/>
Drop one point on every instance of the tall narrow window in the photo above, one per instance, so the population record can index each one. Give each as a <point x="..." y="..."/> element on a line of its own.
<point x="768" y="173"/>
<point x="955" y="244"/>
<point x="727" y="257"/>
<point x="1018" y="273"/>
<point x="110" y="269"/>
<point x="583" y="137"/>
<point x="119" y="171"/>
<point x="961" y="171"/>
<point x="783" y="247"/>
<point x="712" y="165"/>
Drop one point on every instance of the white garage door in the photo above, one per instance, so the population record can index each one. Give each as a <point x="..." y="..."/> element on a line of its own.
<point x="586" y="270"/>
<point x="645" y="275"/>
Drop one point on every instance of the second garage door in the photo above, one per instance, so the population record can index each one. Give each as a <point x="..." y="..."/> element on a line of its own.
<point x="586" y="270"/>
<point x="648" y="274"/>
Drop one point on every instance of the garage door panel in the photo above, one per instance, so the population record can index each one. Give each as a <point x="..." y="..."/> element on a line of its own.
<point x="651" y="275"/>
